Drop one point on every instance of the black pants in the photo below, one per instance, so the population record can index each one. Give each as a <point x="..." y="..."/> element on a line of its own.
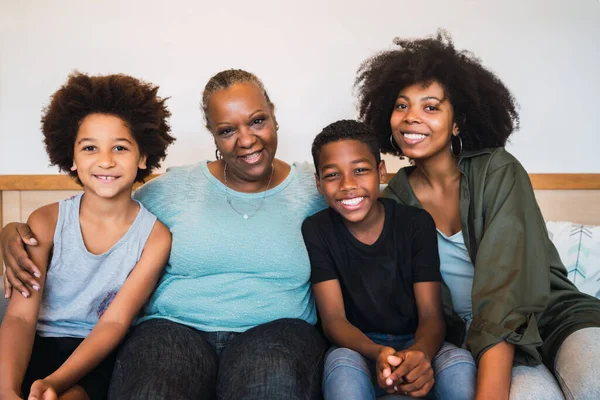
<point x="49" y="353"/>
<point x="161" y="359"/>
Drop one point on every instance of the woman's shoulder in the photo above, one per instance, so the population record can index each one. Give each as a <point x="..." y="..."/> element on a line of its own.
<point x="304" y="187"/>
<point x="305" y="170"/>
<point x="398" y="188"/>
<point x="494" y="166"/>
<point x="490" y="160"/>
<point x="302" y="177"/>
<point x="170" y="181"/>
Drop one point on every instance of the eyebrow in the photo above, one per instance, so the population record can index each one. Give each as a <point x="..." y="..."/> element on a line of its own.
<point x="358" y="161"/>
<point x="425" y="98"/>
<point x="250" y="116"/>
<point x="94" y="140"/>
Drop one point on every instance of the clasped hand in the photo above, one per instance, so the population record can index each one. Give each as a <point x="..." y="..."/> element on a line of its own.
<point x="406" y="371"/>
<point x="42" y="390"/>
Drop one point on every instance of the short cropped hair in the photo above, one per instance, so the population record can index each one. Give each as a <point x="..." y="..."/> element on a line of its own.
<point x="346" y="129"/>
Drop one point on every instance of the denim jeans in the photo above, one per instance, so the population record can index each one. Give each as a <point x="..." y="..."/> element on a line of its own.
<point x="576" y="372"/>
<point x="165" y="360"/>
<point x="348" y="375"/>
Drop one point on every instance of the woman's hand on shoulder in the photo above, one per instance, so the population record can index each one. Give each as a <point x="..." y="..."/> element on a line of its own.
<point x="24" y="266"/>
<point x="20" y="272"/>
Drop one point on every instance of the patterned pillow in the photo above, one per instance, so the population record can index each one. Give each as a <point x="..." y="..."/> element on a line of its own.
<point x="579" y="249"/>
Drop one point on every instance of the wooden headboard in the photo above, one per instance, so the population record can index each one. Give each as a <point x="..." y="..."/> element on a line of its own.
<point x="566" y="197"/>
<point x="562" y="197"/>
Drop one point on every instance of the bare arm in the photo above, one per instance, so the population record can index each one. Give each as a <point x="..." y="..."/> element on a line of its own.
<point x="328" y="295"/>
<point x="18" y="327"/>
<point x="495" y="372"/>
<point x="330" y="302"/>
<point x="21" y="272"/>
<point x="414" y="374"/>
<point x="431" y="328"/>
<point x="117" y="319"/>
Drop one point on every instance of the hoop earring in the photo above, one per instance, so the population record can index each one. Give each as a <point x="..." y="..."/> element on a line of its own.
<point x="392" y="142"/>
<point x="456" y="146"/>
<point x="218" y="155"/>
<point x="394" y="146"/>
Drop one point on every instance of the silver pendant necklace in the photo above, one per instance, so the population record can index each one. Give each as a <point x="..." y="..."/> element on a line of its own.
<point x="262" y="200"/>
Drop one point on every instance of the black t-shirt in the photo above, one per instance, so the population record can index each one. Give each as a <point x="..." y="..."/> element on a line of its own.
<point x="376" y="280"/>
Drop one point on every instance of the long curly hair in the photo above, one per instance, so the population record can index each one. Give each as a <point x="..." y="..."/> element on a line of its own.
<point x="484" y="109"/>
<point x="134" y="101"/>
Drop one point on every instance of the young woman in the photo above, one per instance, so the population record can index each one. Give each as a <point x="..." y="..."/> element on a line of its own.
<point x="506" y="291"/>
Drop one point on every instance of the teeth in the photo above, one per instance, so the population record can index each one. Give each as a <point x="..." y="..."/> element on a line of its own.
<point x="414" y="136"/>
<point x="252" y="156"/>
<point x="105" y="178"/>
<point x="352" y="202"/>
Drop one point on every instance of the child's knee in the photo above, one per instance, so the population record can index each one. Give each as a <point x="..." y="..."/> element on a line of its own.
<point x="343" y="357"/>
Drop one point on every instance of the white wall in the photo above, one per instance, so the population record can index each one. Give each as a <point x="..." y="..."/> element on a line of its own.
<point x="307" y="53"/>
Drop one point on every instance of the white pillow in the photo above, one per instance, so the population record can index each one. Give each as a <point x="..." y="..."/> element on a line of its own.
<point x="579" y="249"/>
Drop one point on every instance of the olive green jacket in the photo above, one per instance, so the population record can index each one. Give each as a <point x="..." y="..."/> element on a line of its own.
<point x="520" y="293"/>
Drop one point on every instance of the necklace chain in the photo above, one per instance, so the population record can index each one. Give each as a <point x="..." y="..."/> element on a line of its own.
<point x="262" y="200"/>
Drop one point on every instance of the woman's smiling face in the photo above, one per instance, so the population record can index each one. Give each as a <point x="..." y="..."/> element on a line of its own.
<point x="244" y="128"/>
<point x="422" y="121"/>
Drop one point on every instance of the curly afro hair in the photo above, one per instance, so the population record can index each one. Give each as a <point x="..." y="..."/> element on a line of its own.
<point x="345" y="129"/>
<point x="484" y="109"/>
<point x="134" y="101"/>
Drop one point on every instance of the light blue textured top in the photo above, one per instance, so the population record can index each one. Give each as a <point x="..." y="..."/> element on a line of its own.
<point x="80" y="285"/>
<point x="457" y="271"/>
<point x="227" y="273"/>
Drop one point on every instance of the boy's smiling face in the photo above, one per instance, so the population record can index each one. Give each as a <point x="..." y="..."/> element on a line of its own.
<point x="348" y="178"/>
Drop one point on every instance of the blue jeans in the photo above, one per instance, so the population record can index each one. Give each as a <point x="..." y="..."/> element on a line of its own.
<point x="348" y="375"/>
<point x="161" y="359"/>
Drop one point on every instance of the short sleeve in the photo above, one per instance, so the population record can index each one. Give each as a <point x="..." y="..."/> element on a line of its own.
<point x="426" y="259"/>
<point x="321" y="263"/>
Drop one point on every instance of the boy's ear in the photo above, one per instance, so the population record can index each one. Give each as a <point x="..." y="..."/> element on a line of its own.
<point x="318" y="183"/>
<point x="142" y="163"/>
<point x="382" y="172"/>
<point x="74" y="166"/>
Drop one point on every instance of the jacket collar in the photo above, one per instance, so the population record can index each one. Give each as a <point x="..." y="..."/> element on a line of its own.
<point x="402" y="188"/>
<point x="466" y="154"/>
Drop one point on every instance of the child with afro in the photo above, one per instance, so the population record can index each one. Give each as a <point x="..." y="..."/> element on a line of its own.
<point x="100" y="253"/>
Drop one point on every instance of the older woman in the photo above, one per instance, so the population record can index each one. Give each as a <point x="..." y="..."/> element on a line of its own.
<point x="503" y="277"/>
<point x="232" y="316"/>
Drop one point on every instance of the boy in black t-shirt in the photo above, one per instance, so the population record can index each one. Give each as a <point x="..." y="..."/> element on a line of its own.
<point x="376" y="279"/>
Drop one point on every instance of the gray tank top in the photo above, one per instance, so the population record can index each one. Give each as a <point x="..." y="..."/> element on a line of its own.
<point x="80" y="285"/>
